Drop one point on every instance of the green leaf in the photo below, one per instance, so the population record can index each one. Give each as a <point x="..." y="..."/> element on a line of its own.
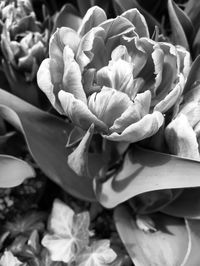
<point x="182" y="29"/>
<point x="144" y="171"/>
<point x="46" y="136"/>
<point x="13" y="171"/>
<point x="166" y="246"/>
<point x="67" y="17"/>
<point x="121" y="6"/>
<point x="187" y="205"/>
<point x="83" y="6"/>
<point x="193" y="255"/>
<point x="194" y="75"/>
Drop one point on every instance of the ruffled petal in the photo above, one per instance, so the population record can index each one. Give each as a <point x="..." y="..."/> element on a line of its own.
<point x="108" y="104"/>
<point x="62" y="37"/>
<point x="118" y="75"/>
<point x="133" y="113"/>
<point x="169" y="70"/>
<point x="92" y="49"/>
<point x="94" y="16"/>
<point x="144" y="128"/>
<point x="78" y="112"/>
<point x="45" y="83"/>
<point x="72" y="78"/>
<point x="184" y="60"/>
<point x="172" y="97"/>
<point x="181" y="138"/>
<point x="137" y="19"/>
<point x="137" y="54"/>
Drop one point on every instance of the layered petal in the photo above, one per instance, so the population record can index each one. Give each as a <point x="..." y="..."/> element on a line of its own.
<point x="144" y="128"/>
<point x="133" y="113"/>
<point x="72" y="78"/>
<point x="139" y="22"/>
<point x="92" y="49"/>
<point x="108" y="104"/>
<point x="48" y="82"/>
<point x="78" y="112"/>
<point x="94" y="16"/>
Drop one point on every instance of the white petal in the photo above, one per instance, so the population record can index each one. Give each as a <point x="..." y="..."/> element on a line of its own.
<point x="94" y="16"/>
<point x="108" y="104"/>
<point x="138" y="20"/>
<point x="61" y="219"/>
<point x="78" y="112"/>
<point x="72" y="78"/>
<point x="144" y="128"/>
<point x="45" y="82"/>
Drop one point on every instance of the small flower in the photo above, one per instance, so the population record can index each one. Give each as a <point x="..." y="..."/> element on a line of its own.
<point x="8" y="259"/>
<point x="22" y="40"/>
<point x="98" y="254"/>
<point x="68" y="235"/>
<point x="111" y="74"/>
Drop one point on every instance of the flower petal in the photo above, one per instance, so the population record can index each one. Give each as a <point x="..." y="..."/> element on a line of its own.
<point x="133" y="113"/>
<point x="46" y="82"/>
<point x="92" y="48"/>
<point x="62" y="37"/>
<point x="118" y="75"/>
<point x="137" y="54"/>
<point x="137" y="19"/>
<point x="78" y="112"/>
<point x="108" y="104"/>
<point x="60" y="249"/>
<point x="61" y="219"/>
<point x="144" y="128"/>
<point x="94" y="16"/>
<point x="72" y="78"/>
<point x="184" y="60"/>
<point x="172" y="97"/>
<point x="181" y="138"/>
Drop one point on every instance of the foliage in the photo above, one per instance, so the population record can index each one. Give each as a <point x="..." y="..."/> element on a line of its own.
<point x="122" y="78"/>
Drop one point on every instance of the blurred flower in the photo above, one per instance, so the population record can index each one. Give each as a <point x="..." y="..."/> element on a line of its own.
<point x="112" y="74"/>
<point x="23" y="45"/>
<point x="23" y="42"/>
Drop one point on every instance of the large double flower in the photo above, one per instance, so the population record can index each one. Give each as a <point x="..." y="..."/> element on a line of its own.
<point x="111" y="74"/>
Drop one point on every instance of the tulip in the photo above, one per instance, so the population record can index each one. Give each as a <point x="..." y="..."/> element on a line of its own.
<point x="111" y="74"/>
<point x="23" y="46"/>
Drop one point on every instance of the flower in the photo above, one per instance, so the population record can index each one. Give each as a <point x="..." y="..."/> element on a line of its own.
<point x="8" y="259"/>
<point x="111" y="74"/>
<point x="69" y="233"/>
<point x="23" y="39"/>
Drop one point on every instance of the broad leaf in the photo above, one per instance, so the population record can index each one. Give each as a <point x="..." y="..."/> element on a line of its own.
<point x="193" y="256"/>
<point x="46" y="136"/>
<point x="194" y="75"/>
<point x="144" y="171"/>
<point x="177" y="18"/>
<point x="186" y="205"/>
<point x="13" y="171"/>
<point x="167" y="245"/>
<point x="180" y="21"/>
